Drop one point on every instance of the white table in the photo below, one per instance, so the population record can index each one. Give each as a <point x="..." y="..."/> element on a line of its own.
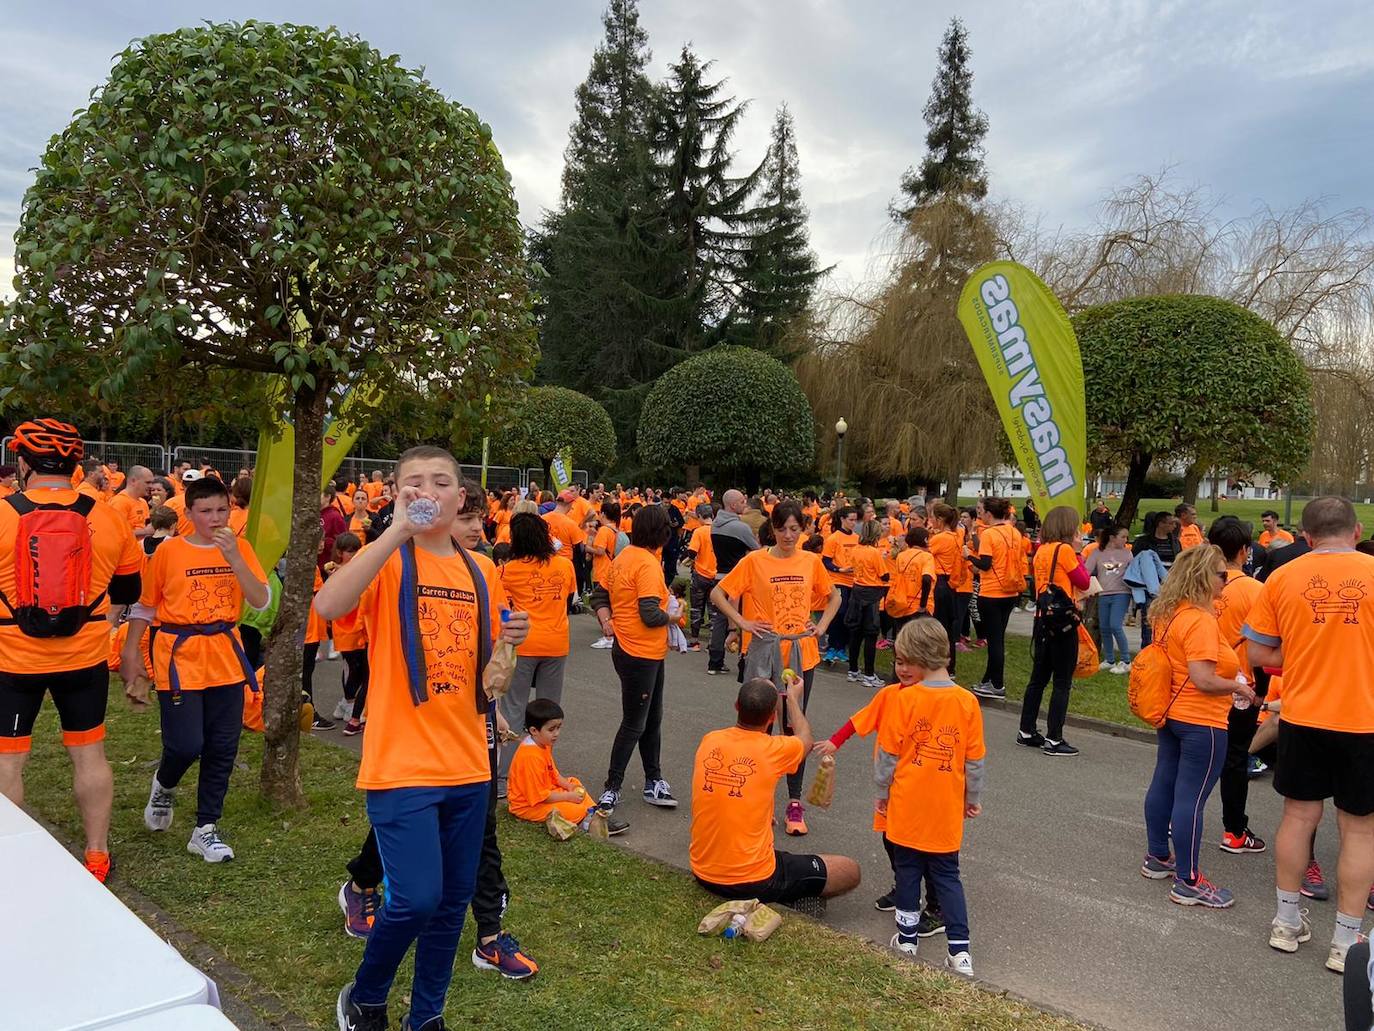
<point x="183" y="1018"/>
<point x="74" y="956"/>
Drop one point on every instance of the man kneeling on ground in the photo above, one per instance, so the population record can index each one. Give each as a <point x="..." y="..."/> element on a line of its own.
<point x="734" y="781"/>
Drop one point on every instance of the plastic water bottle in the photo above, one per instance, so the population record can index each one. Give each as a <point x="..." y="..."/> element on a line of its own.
<point x="422" y="512"/>
<point x="736" y="928"/>
<point x="1238" y="700"/>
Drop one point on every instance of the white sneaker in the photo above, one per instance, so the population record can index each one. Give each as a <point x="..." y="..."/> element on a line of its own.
<point x="1121" y="668"/>
<point x="1335" y="959"/>
<point x="206" y="843"/>
<point x="1287" y="939"/>
<point x="344" y="710"/>
<point x="854" y="677"/>
<point x="604" y="642"/>
<point x="908" y="947"/>
<point x="961" y="963"/>
<point x="1104" y="665"/>
<point x="157" y="814"/>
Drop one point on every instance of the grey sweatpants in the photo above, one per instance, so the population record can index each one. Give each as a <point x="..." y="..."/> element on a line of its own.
<point x="543" y="676"/>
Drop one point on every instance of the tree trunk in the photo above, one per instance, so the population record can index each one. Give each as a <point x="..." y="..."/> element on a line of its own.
<point x="952" y="488"/>
<point x="693" y="476"/>
<point x="281" y="777"/>
<point x="1191" y="479"/>
<point x="1138" y="469"/>
<point x="1216" y="490"/>
<point x="752" y="475"/>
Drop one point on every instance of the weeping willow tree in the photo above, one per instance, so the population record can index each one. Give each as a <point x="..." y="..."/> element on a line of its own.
<point x="895" y="362"/>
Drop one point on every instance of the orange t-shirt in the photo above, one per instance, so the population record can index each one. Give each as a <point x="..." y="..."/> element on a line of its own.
<point x="783" y="592"/>
<point x="134" y="510"/>
<point x="1320" y="609"/>
<point x="1005" y="579"/>
<point x="637" y="573"/>
<point x="178" y="505"/>
<point x="194" y="583"/>
<point x="962" y="578"/>
<point x="578" y="510"/>
<point x="442" y="742"/>
<point x="1190" y="537"/>
<point x="869" y="567"/>
<point x="946" y="552"/>
<point x="935" y="730"/>
<point x="541" y="589"/>
<point x="1064" y="560"/>
<point x="904" y="597"/>
<point x="359" y="525"/>
<point x="533" y="776"/>
<point x="734" y="777"/>
<point x="839" y="548"/>
<point x="113" y="552"/>
<point x="896" y="531"/>
<point x="1276" y="539"/>
<point x="1192" y="635"/>
<point x="1231" y="610"/>
<point x="605" y="539"/>
<point x="238" y="520"/>
<point x="700" y="545"/>
<point x="373" y="489"/>
<point x="564" y="530"/>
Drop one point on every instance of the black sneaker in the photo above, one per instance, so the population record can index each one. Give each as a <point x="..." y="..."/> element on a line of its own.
<point x="930" y="924"/>
<point x="1036" y="740"/>
<point x="986" y="690"/>
<point x="657" y="793"/>
<point x="321" y="722"/>
<point x="887" y="903"/>
<point x="615" y="826"/>
<point x="432" y="1024"/>
<point x="1058" y="748"/>
<point x="712" y="671"/>
<point x="353" y="1017"/>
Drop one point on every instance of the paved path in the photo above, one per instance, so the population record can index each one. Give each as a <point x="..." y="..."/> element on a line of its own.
<point x="1058" y="910"/>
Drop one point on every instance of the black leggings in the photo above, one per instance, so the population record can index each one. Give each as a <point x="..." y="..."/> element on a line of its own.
<point x="355" y="679"/>
<point x="1241" y="725"/>
<point x="641" y="721"/>
<point x="308" y="657"/>
<point x="1055" y="658"/>
<point x="996" y="612"/>
<point x="794" y="779"/>
<point x="950" y="609"/>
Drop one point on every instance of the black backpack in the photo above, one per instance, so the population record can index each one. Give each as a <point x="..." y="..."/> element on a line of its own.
<point x="1055" y="612"/>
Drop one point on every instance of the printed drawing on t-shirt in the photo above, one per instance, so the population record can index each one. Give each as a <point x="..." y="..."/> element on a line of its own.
<point x="937" y="746"/>
<point x="718" y="774"/>
<point x="1343" y="602"/>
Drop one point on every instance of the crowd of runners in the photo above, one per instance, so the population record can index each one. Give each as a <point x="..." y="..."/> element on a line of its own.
<point x="450" y="607"/>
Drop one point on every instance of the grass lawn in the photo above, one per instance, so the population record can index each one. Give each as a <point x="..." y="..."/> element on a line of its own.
<point x="613" y="932"/>
<point x="1101" y="697"/>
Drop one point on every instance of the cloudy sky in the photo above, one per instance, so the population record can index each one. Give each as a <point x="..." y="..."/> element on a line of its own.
<point x="1264" y="101"/>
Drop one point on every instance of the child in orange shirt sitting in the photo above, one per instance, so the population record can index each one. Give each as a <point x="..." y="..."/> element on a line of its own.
<point x="534" y="787"/>
<point x="930" y="758"/>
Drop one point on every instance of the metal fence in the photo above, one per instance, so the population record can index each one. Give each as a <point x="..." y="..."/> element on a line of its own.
<point x="127" y="454"/>
<point x="228" y="461"/>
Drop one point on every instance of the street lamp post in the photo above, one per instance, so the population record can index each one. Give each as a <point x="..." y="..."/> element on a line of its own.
<point x="841" y="428"/>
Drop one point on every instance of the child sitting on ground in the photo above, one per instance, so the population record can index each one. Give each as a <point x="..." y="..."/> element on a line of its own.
<point x="930" y="760"/>
<point x="869" y="719"/>
<point x="534" y="787"/>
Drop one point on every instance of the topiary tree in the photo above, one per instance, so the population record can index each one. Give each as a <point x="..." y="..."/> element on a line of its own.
<point x="1191" y="378"/>
<point x="276" y="204"/>
<point x="731" y="408"/>
<point x="548" y="419"/>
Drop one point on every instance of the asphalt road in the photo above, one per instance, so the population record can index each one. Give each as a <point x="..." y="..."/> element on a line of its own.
<point x="1058" y="910"/>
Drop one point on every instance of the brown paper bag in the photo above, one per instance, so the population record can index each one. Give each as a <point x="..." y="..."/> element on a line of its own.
<point x="823" y="787"/>
<point x="716" y="921"/>
<point x="500" y="668"/>
<point x="560" y="828"/>
<point x="598" y="826"/>
<point x="761" y="923"/>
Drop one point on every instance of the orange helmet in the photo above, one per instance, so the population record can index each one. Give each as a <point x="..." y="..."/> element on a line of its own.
<point x="48" y="438"/>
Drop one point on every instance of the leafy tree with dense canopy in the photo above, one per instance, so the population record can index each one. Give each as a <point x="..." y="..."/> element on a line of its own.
<point x="547" y="420"/>
<point x="1193" y="379"/>
<point x="732" y="409"/>
<point x="271" y="201"/>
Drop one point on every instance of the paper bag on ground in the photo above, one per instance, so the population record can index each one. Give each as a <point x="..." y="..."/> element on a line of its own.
<point x="762" y="922"/>
<point x="714" y="921"/>
<point x="560" y="828"/>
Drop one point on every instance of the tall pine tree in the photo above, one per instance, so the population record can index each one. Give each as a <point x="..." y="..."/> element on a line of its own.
<point x="705" y="217"/>
<point x="778" y="271"/>
<point x="953" y="165"/>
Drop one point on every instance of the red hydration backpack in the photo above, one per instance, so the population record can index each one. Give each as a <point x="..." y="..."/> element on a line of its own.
<point x="52" y="568"/>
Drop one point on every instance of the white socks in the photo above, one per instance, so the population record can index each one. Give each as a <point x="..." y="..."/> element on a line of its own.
<point x="1347" y="930"/>
<point x="1288" y="914"/>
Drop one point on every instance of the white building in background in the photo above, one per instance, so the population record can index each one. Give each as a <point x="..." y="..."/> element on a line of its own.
<point x="1006" y="481"/>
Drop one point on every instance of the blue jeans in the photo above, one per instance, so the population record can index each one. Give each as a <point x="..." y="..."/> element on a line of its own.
<point x="1187" y="766"/>
<point x="430" y="840"/>
<point x="1111" y="619"/>
<point x="911" y="865"/>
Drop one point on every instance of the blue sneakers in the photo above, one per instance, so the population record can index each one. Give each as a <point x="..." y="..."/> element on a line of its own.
<point x="504" y="956"/>
<point x="1157" y="869"/>
<point x="1203" y="893"/>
